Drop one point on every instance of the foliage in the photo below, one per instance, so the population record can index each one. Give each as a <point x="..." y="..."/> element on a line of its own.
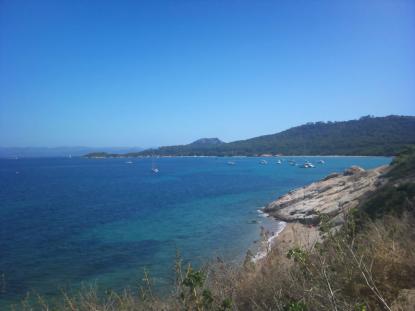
<point x="366" y="136"/>
<point x="295" y="306"/>
<point x="397" y="196"/>
<point x="403" y="166"/>
<point x="298" y="255"/>
<point x="363" y="266"/>
<point x="360" y="273"/>
<point x="391" y="200"/>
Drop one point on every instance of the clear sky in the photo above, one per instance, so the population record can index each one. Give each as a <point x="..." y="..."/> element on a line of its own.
<point x="149" y="73"/>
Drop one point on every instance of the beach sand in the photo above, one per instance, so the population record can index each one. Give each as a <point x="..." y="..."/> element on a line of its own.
<point x="290" y="236"/>
<point x="296" y="235"/>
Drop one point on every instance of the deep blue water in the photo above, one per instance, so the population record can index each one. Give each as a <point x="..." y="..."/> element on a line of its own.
<point x="67" y="221"/>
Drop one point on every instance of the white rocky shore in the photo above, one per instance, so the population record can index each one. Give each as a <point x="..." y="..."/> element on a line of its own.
<point x="333" y="196"/>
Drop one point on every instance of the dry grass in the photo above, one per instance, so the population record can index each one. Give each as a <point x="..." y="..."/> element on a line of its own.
<point x="348" y="271"/>
<point x="363" y="271"/>
<point x="367" y="265"/>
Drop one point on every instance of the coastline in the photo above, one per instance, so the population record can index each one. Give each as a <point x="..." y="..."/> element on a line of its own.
<point x="249" y="223"/>
<point x="291" y="234"/>
<point x="233" y="156"/>
<point x="269" y="241"/>
<point x="299" y="210"/>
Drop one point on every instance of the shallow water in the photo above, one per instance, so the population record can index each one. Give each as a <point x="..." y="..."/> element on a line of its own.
<point x="67" y="221"/>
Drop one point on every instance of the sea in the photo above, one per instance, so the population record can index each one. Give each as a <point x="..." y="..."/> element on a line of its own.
<point x="66" y="223"/>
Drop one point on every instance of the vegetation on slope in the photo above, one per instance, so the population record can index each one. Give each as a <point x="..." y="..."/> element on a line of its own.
<point x="368" y="264"/>
<point x="366" y="136"/>
<point x="403" y="166"/>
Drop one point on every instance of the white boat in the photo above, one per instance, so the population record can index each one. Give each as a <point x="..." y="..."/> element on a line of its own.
<point x="129" y="162"/>
<point x="231" y="163"/>
<point x="263" y="162"/>
<point x="321" y="162"/>
<point x="307" y="165"/>
<point x="310" y="165"/>
<point x="154" y="168"/>
<point x="279" y="162"/>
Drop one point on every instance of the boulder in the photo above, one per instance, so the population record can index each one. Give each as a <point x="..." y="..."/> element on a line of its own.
<point x="353" y="170"/>
<point x="332" y="175"/>
<point x="332" y="196"/>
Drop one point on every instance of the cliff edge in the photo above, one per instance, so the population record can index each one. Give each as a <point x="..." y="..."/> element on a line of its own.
<point x="333" y="196"/>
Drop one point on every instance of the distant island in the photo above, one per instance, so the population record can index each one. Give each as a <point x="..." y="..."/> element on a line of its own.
<point x="376" y="136"/>
<point x="42" y="152"/>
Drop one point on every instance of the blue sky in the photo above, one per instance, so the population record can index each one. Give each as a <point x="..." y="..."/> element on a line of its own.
<point x="148" y="73"/>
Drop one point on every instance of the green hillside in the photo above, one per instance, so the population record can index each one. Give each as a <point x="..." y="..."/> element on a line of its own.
<point x="365" y="136"/>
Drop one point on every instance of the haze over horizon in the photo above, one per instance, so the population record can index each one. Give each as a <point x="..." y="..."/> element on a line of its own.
<point x="163" y="73"/>
<point x="140" y="148"/>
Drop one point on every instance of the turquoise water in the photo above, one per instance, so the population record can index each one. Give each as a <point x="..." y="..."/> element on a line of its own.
<point x="68" y="221"/>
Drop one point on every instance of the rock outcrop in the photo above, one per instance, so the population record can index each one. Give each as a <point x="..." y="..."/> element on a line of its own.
<point x="334" y="195"/>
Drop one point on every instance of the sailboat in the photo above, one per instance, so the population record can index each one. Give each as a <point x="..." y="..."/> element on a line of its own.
<point x="154" y="168"/>
<point x="307" y="164"/>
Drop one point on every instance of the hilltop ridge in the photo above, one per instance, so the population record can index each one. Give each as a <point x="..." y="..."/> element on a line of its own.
<point x="365" y="136"/>
<point x="207" y="141"/>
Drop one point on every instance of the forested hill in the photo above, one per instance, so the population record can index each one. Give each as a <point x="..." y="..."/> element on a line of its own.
<point x="365" y="136"/>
